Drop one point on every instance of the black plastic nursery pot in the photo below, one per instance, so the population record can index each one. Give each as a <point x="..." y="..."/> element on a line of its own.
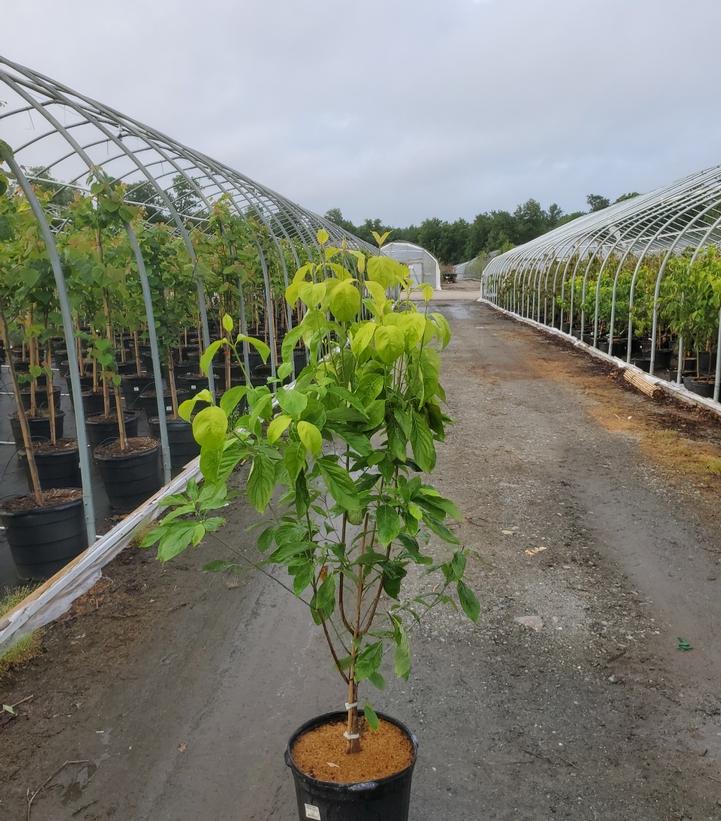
<point x="133" y="385"/>
<point x="100" y="428"/>
<point x="183" y="446"/>
<point x="39" y="427"/>
<point x="192" y="382"/>
<point x="703" y="386"/>
<point x="44" y="539"/>
<point x="41" y="397"/>
<point x="58" y="467"/>
<point x="93" y="402"/>
<point x="132" y="476"/>
<point x="387" y="799"/>
<point x="148" y="402"/>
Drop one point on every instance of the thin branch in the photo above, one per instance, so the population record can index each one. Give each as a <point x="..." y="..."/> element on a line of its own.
<point x="34" y="795"/>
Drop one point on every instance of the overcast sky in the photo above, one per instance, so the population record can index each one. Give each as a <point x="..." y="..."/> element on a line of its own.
<point x="404" y="109"/>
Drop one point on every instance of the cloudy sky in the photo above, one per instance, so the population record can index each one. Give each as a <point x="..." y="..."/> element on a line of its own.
<point x="404" y="109"/>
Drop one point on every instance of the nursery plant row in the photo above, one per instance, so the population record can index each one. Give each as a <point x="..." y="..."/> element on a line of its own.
<point x="241" y="270"/>
<point x="661" y="313"/>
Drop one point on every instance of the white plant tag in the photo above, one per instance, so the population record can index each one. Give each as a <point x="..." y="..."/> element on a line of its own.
<point x="136" y="388"/>
<point x="311" y="811"/>
<point x="168" y="408"/>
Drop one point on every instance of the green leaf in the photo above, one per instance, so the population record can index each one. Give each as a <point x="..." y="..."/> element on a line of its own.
<point x="294" y="460"/>
<point x="209" y="353"/>
<point x="345" y="301"/>
<point x="402" y="656"/>
<point x="175" y="540"/>
<point x="369" y="661"/>
<point x="469" y="602"/>
<point x="388" y="524"/>
<point x="227" y="323"/>
<point x="258" y="344"/>
<point x="185" y="409"/>
<point x="292" y="401"/>
<point x="277" y="427"/>
<point x="230" y="400"/>
<point x="323" y="602"/>
<point x="322" y="236"/>
<point x="261" y="481"/>
<point x="388" y="342"/>
<point x="310" y="436"/>
<point x="424" y="451"/>
<point x="362" y="337"/>
<point x="339" y="483"/>
<point x="210" y="427"/>
<point x="371" y="717"/>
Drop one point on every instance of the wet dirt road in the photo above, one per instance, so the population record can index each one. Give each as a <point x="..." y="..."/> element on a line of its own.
<point x="593" y="518"/>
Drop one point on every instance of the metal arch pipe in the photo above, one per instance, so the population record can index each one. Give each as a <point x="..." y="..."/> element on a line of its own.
<point x="53" y="88"/>
<point x="147" y="299"/>
<point x="676" y="216"/>
<point x="74" y="370"/>
<point x="658" y="216"/>
<point x="657" y="291"/>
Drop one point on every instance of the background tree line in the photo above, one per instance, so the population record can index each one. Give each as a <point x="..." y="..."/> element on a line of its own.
<point x="454" y="242"/>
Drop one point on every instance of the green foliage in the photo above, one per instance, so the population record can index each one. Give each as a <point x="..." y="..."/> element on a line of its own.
<point x="343" y="451"/>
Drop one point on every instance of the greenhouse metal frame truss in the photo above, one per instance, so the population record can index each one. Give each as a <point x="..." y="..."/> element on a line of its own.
<point x="538" y="280"/>
<point x="78" y="136"/>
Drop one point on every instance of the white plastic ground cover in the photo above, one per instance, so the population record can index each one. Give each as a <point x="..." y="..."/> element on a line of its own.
<point x="671" y="388"/>
<point x="54" y="597"/>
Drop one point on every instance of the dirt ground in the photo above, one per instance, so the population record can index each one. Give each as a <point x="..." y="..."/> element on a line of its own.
<point x="593" y="518"/>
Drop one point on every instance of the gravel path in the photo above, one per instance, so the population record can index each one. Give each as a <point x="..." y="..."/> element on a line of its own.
<point x="593" y="518"/>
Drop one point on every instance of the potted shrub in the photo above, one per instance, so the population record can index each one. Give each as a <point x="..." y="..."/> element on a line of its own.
<point x="173" y="299"/>
<point x="690" y="305"/>
<point x="346" y="446"/>
<point x="46" y="528"/>
<point x="129" y="464"/>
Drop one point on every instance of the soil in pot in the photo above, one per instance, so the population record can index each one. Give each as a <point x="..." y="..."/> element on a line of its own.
<point x="321" y="753"/>
<point x="183" y="446"/>
<point x="372" y="785"/>
<point x="101" y="427"/>
<point x="130" y="476"/>
<point x="44" y="538"/>
<point x="58" y="465"/>
<point x="39" y="427"/>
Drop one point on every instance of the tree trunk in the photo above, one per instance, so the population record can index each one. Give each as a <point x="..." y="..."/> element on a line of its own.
<point x="22" y="417"/>
<point x="51" y="394"/>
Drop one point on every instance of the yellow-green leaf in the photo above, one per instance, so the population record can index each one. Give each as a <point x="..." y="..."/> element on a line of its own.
<point x="345" y="301"/>
<point x="210" y="427"/>
<point x="322" y="236"/>
<point x="311" y="437"/>
<point x="227" y="323"/>
<point x="277" y="427"/>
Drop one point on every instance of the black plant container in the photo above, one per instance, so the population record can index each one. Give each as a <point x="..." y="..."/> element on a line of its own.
<point x="57" y="468"/>
<point x="148" y="402"/>
<point x="183" y="446"/>
<point x="39" y="427"/>
<point x="703" y="386"/>
<point x="41" y="397"/>
<point x="130" y="478"/>
<point x="44" y="540"/>
<point x="133" y="385"/>
<point x="99" y="429"/>
<point x="387" y="799"/>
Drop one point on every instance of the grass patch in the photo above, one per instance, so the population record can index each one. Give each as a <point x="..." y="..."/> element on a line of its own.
<point x="26" y="648"/>
<point x="714" y="466"/>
